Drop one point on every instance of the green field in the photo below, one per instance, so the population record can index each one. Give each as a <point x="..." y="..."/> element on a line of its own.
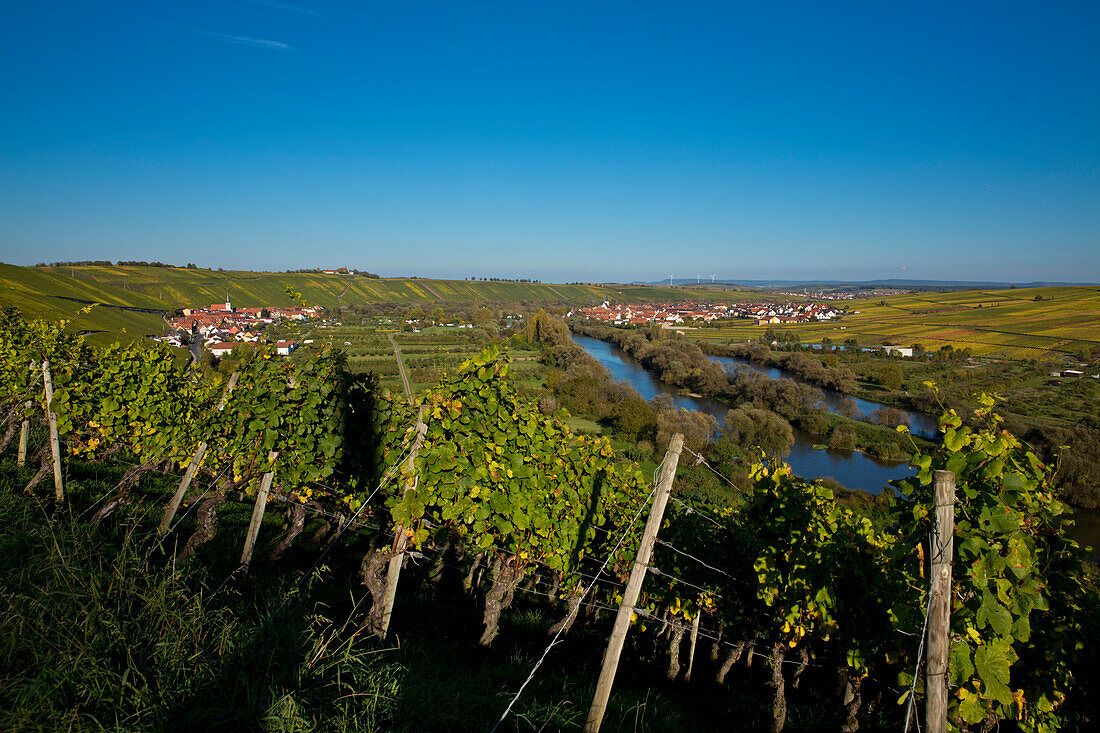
<point x="998" y="323"/>
<point x="427" y="355"/>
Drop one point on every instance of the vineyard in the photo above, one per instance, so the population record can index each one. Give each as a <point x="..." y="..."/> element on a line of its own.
<point x="426" y="355"/>
<point x="1025" y="323"/>
<point x="58" y="292"/>
<point x="467" y="495"/>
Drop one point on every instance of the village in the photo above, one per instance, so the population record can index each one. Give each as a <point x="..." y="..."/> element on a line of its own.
<point x="219" y="328"/>
<point x="679" y="313"/>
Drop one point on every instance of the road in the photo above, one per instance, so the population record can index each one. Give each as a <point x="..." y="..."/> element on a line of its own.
<point x="401" y="367"/>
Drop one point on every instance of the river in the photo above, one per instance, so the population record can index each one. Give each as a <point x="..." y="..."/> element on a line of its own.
<point x="925" y="426"/>
<point x="854" y="470"/>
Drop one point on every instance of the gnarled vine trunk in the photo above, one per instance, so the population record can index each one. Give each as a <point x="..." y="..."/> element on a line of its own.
<point x="778" y="684"/>
<point x="853" y="698"/>
<point x="472" y="580"/>
<point x="297" y="514"/>
<point x="121" y="496"/>
<point x="803" y="662"/>
<point x="572" y="604"/>
<point x="45" y="468"/>
<point x="9" y="434"/>
<point x="322" y="534"/>
<point x="439" y="565"/>
<point x="731" y="659"/>
<point x="674" y="652"/>
<point x="715" y="647"/>
<point x="664" y="623"/>
<point x="505" y="579"/>
<point x="207" y="515"/>
<point x="552" y="593"/>
<point x="372" y="571"/>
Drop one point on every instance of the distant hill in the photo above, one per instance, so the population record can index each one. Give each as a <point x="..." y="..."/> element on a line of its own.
<point x="134" y="297"/>
<point x="886" y="283"/>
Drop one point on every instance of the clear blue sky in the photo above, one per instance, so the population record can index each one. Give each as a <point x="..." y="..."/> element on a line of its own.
<point x="556" y="140"/>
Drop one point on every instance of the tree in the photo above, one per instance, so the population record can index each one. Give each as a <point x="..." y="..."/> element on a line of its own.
<point x="758" y="428"/>
<point x="843" y="438"/>
<point x="891" y="376"/>
<point x="888" y="416"/>
<point x="698" y="428"/>
<point x="634" y="418"/>
<point x="847" y="407"/>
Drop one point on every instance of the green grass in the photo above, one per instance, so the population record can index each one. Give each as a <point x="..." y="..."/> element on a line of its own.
<point x="101" y="630"/>
<point x="584" y="425"/>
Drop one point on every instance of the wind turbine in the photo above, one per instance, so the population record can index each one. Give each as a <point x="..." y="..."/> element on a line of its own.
<point x="670" y="279"/>
<point x="698" y="279"/>
<point x="712" y="279"/>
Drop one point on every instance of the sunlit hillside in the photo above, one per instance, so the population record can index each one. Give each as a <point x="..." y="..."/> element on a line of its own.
<point x="1017" y="323"/>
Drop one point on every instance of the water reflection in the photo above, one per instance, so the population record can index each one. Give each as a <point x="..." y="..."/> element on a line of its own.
<point x="854" y="470"/>
<point x="837" y="403"/>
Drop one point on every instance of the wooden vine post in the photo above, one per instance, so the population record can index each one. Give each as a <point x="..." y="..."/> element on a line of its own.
<point x="400" y="539"/>
<point x="192" y="467"/>
<point x="258" y="512"/>
<point x="634" y="586"/>
<point x="694" y="638"/>
<point x="25" y="427"/>
<point x="941" y="541"/>
<point x="24" y="436"/>
<point x="55" y="444"/>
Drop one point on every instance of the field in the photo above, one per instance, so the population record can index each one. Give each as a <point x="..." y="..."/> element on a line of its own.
<point x="426" y="355"/>
<point x="1008" y="324"/>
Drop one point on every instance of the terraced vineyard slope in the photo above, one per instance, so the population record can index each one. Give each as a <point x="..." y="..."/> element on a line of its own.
<point x="1017" y="324"/>
<point x="60" y="292"/>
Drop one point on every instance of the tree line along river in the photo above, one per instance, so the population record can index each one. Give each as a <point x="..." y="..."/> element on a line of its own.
<point x="855" y="470"/>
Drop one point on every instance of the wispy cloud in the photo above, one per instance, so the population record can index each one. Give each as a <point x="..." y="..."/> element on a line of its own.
<point x="235" y="39"/>
<point x="286" y="7"/>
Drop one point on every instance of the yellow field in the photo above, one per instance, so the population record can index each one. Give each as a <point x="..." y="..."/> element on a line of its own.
<point x="999" y="323"/>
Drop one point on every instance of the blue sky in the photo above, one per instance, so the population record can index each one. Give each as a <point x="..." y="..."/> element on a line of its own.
<point x="556" y="140"/>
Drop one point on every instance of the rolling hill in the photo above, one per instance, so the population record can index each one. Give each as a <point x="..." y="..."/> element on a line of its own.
<point x="1018" y="323"/>
<point x="134" y="297"/>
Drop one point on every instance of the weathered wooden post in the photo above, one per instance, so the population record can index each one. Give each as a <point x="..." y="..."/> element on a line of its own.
<point x="55" y="444"/>
<point x="192" y="467"/>
<point x="694" y="638"/>
<point x="941" y="541"/>
<point x="24" y="436"/>
<point x="400" y="539"/>
<point x="258" y="512"/>
<point x="634" y="586"/>
<point x="25" y="427"/>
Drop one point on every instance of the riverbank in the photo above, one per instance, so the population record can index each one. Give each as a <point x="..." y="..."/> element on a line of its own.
<point x="864" y="469"/>
<point x="1055" y="415"/>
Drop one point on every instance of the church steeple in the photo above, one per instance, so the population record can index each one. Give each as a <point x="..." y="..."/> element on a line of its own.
<point x="228" y="305"/>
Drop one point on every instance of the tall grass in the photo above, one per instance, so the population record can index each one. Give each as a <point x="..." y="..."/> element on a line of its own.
<point x="116" y="640"/>
<point x="99" y="630"/>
